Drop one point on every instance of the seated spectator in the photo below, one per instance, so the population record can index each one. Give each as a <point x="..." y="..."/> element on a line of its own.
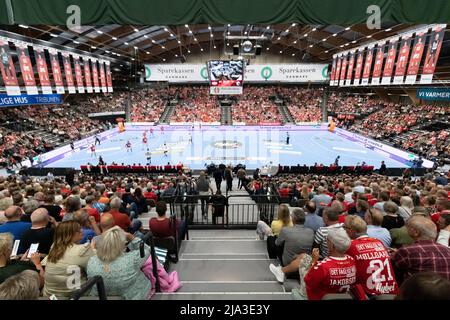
<point x="28" y="208"/>
<point x="425" y="286"/>
<point x="40" y="232"/>
<point x="66" y="259"/>
<point x="321" y="199"/>
<point x="10" y="267"/>
<point x="53" y="210"/>
<point x="93" y="212"/>
<point x="391" y="219"/>
<point x="312" y="220"/>
<point x="331" y="220"/>
<point x="15" y="226"/>
<point x="384" y="197"/>
<point x="106" y="223"/>
<point x="120" y="270"/>
<point x="121" y="219"/>
<point x="296" y="239"/>
<point x="5" y="203"/>
<point x="335" y="274"/>
<point x="22" y="286"/>
<point x="283" y="220"/>
<point x="88" y="225"/>
<point x="424" y="255"/>
<point x="406" y="207"/>
<point x="162" y="226"/>
<point x="72" y="205"/>
<point x="218" y="203"/>
<point x="140" y="201"/>
<point x="374" y="271"/>
<point x="374" y="220"/>
<point x="444" y="233"/>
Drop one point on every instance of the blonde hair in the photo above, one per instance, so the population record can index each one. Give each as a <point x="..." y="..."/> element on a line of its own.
<point x="23" y="286"/>
<point x="6" y="243"/>
<point x="112" y="245"/>
<point x="64" y="233"/>
<point x="356" y="223"/>
<point x="284" y="214"/>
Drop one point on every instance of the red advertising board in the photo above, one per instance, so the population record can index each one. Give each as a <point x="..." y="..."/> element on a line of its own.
<point x="42" y="70"/>
<point x="432" y="56"/>
<point x="359" y="63"/>
<point x="56" y="71"/>
<point x="416" y="57"/>
<point x="26" y="68"/>
<point x="390" y="61"/>
<point x="8" y="70"/>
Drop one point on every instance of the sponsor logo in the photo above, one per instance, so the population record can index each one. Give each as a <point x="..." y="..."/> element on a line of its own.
<point x="266" y="72"/>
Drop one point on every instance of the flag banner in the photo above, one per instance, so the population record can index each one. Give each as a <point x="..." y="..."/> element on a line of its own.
<point x="378" y="67"/>
<point x="87" y="75"/>
<point x="351" y="64"/>
<point x="108" y="76"/>
<point x="102" y="76"/>
<point x="95" y="75"/>
<point x="26" y="100"/>
<point x="42" y="69"/>
<point x="8" y="70"/>
<point x="432" y="56"/>
<point x="390" y="61"/>
<point x="68" y="72"/>
<point x="333" y="72"/>
<point x="402" y="60"/>
<point x="416" y="56"/>
<point x="56" y="71"/>
<point x="78" y="73"/>
<point x="338" y="70"/>
<point x="343" y="69"/>
<point x="367" y="66"/>
<point x="359" y="63"/>
<point x="26" y="68"/>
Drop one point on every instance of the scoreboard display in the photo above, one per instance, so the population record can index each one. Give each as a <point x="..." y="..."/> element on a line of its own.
<point x="226" y="76"/>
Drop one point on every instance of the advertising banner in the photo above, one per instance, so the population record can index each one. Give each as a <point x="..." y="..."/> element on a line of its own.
<point x="108" y="76"/>
<point x="367" y="66"/>
<point x="301" y="73"/>
<point x="376" y="74"/>
<point x="390" y="61"/>
<point x="95" y="75"/>
<point x="351" y="64"/>
<point x="432" y="56"/>
<point x="437" y="94"/>
<point x="56" y="71"/>
<point x="416" y="56"/>
<point x="78" y="73"/>
<point x="87" y="74"/>
<point x="8" y="70"/>
<point x="68" y="72"/>
<point x="26" y="68"/>
<point x="359" y="63"/>
<point x="25" y="100"/>
<point x="42" y="69"/>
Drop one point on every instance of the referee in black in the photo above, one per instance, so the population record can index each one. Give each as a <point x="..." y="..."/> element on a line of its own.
<point x="287" y="138"/>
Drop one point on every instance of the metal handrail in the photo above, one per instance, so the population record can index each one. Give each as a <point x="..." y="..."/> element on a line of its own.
<point x="148" y="239"/>
<point x="87" y="286"/>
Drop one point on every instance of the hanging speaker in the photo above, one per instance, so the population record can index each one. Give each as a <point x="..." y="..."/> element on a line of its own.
<point x="236" y="50"/>
<point x="258" y="49"/>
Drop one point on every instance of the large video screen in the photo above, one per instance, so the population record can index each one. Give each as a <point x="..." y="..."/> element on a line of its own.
<point x="226" y="76"/>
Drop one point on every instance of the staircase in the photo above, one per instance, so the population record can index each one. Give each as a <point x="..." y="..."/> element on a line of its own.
<point x="286" y="114"/>
<point x="167" y="114"/>
<point x="225" y="265"/>
<point x="46" y="136"/>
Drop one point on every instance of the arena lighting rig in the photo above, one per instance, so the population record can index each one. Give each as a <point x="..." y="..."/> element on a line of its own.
<point x="249" y="46"/>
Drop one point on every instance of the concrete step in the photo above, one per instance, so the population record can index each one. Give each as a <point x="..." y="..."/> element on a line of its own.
<point x="252" y="296"/>
<point x="228" y="246"/>
<point x="230" y="286"/>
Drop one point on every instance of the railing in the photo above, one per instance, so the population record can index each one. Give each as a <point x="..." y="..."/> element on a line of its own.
<point x="88" y="285"/>
<point x="200" y="212"/>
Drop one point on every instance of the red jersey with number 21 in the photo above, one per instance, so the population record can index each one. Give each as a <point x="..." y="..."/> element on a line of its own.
<point x="331" y="275"/>
<point x="374" y="269"/>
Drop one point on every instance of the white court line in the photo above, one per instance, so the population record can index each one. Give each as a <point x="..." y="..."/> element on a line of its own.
<point x="349" y="150"/>
<point x="286" y="152"/>
<point x="106" y="149"/>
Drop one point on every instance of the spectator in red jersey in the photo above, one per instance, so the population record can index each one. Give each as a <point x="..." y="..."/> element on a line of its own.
<point x="424" y="255"/>
<point x="91" y="210"/>
<point x="442" y="207"/>
<point x="121" y="219"/>
<point x="373" y="267"/>
<point x="334" y="274"/>
<point x="162" y="226"/>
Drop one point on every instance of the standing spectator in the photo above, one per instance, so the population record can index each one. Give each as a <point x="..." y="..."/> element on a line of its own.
<point x="229" y="178"/>
<point x="218" y="175"/>
<point x="424" y="255"/>
<point x="204" y="189"/>
<point x="241" y="174"/>
<point x="218" y="203"/>
<point x="374" y="220"/>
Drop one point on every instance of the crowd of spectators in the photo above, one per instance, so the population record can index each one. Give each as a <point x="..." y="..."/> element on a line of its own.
<point x="196" y="105"/>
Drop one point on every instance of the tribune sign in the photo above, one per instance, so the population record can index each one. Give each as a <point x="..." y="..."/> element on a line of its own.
<point x="298" y="73"/>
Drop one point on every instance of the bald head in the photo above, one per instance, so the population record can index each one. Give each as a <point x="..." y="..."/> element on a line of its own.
<point x="39" y="217"/>
<point x="421" y="228"/>
<point x="106" y="221"/>
<point x="13" y="213"/>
